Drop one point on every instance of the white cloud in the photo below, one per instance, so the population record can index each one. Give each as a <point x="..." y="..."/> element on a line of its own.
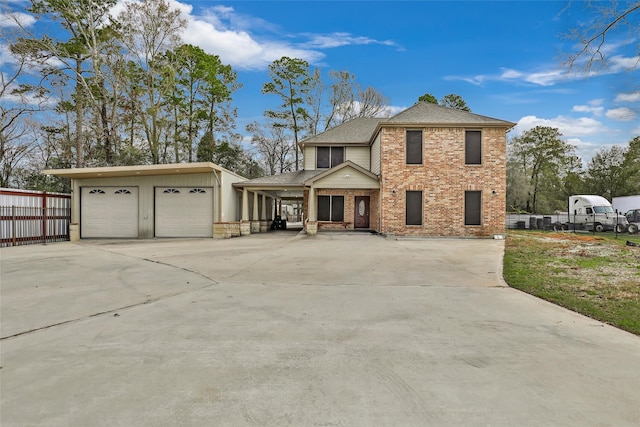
<point x="16" y="19"/>
<point x="622" y="114"/>
<point x="596" y="111"/>
<point x="628" y="97"/>
<point x="636" y="131"/>
<point x="586" y="149"/>
<point x="568" y="126"/>
<point x="332" y="40"/>
<point x="221" y="31"/>
<point x="5" y="55"/>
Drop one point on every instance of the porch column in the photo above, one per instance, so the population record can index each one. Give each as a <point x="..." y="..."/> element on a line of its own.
<point x="312" y="223"/>
<point x="263" y="215"/>
<point x="255" y="216"/>
<point x="312" y="205"/>
<point x="245" y="225"/>
<point x="263" y="211"/>
<point x="245" y="204"/>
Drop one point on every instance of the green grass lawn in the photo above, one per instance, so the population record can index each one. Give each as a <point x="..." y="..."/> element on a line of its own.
<point x="593" y="274"/>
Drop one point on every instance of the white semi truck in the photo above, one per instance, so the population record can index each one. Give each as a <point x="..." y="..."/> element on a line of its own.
<point x="589" y="212"/>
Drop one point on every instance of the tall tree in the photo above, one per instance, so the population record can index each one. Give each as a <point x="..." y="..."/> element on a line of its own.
<point x="150" y="29"/>
<point x="454" y="101"/>
<point x="81" y="57"/>
<point x="290" y="80"/>
<point x="606" y="174"/>
<point x="427" y="97"/>
<point x="450" y="101"/>
<point x="632" y="165"/>
<point x="544" y="158"/>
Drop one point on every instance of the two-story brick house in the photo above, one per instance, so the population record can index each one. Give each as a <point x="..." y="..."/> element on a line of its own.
<point x="427" y="171"/>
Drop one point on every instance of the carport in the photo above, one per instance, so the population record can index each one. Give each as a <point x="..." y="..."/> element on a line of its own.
<point x="284" y="187"/>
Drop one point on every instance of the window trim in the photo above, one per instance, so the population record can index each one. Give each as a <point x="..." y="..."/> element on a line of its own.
<point x="466" y="150"/>
<point x="466" y="222"/>
<point x="420" y="210"/>
<point x="406" y="147"/>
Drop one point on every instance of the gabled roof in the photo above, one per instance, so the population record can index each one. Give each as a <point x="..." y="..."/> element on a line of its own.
<point x="355" y="131"/>
<point x="347" y="164"/>
<point x="362" y="131"/>
<point x="424" y="113"/>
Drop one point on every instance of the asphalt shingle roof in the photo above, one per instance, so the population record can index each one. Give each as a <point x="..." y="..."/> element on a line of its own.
<point x="282" y="180"/>
<point x="432" y="114"/>
<point x="355" y="131"/>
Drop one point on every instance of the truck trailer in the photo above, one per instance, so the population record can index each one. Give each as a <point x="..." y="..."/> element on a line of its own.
<point x="626" y="203"/>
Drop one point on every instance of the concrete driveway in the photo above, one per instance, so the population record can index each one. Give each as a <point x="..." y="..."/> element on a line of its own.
<point x="283" y="329"/>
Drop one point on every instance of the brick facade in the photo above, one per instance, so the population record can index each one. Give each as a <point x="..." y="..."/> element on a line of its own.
<point x="443" y="178"/>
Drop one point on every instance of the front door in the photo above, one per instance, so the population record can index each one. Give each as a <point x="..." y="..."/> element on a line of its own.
<point x="362" y="212"/>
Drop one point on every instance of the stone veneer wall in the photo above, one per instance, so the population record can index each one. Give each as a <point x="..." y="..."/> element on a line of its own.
<point x="443" y="178"/>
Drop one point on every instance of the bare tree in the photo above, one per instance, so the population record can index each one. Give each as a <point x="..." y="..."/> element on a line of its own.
<point x="19" y="101"/>
<point x="274" y="146"/>
<point x="348" y="100"/>
<point x="610" y="17"/>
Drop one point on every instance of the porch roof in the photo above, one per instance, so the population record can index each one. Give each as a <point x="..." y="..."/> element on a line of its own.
<point x="284" y="180"/>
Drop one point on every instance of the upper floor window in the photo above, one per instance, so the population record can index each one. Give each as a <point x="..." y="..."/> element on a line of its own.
<point x="328" y="157"/>
<point x="473" y="147"/>
<point x="414" y="147"/>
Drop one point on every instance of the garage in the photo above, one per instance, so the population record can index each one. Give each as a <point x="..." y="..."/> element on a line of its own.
<point x="109" y="212"/>
<point x="184" y="212"/>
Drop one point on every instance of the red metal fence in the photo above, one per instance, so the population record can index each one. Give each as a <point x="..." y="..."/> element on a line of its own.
<point x="28" y="217"/>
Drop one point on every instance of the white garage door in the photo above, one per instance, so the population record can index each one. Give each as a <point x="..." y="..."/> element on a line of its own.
<point x="109" y="212"/>
<point x="184" y="212"/>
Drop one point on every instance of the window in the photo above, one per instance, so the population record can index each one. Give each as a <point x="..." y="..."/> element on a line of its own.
<point x="197" y="191"/>
<point x="171" y="191"/>
<point x="328" y="157"/>
<point x="414" y="208"/>
<point x="414" y="147"/>
<point x="122" y="191"/>
<point x="473" y="147"/>
<point x="472" y="207"/>
<point x="330" y="208"/>
<point x="97" y="191"/>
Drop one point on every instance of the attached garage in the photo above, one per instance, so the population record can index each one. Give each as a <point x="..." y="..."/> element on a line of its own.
<point x="109" y="212"/>
<point x="184" y="212"/>
<point x="147" y="201"/>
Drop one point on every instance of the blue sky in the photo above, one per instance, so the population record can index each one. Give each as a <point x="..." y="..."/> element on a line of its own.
<point x="503" y="57"/>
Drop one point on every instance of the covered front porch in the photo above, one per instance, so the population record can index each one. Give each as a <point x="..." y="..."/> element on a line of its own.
<point x="346" y="197"/>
